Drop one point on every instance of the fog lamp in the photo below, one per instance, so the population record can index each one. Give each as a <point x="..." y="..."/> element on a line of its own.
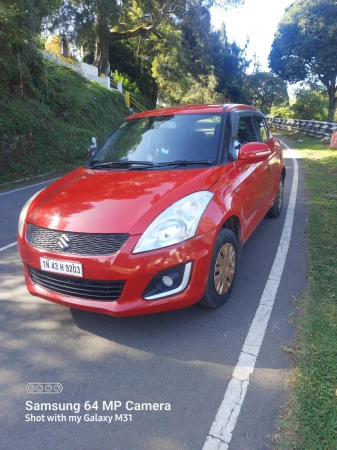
<point x="167" y="281"/>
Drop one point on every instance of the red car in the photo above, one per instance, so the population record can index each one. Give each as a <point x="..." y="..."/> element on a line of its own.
<point x="156" y="219"/>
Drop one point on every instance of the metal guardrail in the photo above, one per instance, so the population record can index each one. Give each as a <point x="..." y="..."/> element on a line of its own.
<point x="314" y="128"/>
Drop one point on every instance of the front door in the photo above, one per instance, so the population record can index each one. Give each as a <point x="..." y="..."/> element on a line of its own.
<point x="255" y="176"/>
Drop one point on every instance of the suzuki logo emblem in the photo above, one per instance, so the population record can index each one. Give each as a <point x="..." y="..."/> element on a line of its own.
<point x="64" y="242"/>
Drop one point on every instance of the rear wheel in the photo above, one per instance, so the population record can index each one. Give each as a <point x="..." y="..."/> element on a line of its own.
<point x="276" y="209"/>
<point x="223" y="269"/>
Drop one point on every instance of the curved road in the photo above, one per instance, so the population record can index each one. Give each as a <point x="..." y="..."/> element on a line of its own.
<point x="185" y="358"/>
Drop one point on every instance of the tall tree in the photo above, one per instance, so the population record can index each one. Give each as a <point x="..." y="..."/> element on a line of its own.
<point x="230" y="64"/>
<point x="113" y="20"/>
<point x="88" y="21"/>
<point x="208" y="69"/>
<point x="304" y="47"/>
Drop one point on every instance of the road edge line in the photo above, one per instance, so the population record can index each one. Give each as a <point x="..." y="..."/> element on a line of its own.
<point x="26" y="187"/>
<point x="8" y="246"/>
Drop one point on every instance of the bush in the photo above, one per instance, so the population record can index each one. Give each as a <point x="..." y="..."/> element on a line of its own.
<point x="310" y="105"/>
<point x="282" y="111"/>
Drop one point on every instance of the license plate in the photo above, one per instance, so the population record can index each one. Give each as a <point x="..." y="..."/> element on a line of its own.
<point x="73" y="269"/>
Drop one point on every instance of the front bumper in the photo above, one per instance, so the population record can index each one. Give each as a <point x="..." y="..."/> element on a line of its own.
<point x="137" y="271"/>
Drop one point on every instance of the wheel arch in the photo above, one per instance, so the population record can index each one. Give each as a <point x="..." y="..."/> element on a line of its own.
<point x="233" y="223"/>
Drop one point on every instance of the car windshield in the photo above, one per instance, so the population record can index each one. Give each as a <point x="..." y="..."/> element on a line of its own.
<point x="162" y="139"/>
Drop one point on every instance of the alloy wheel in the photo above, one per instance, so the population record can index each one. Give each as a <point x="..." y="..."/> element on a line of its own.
<point x="280" y="194"/>
<point x="224" y="268"/>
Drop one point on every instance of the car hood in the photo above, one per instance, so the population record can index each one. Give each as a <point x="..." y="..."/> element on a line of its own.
<point x="113" y="201"/>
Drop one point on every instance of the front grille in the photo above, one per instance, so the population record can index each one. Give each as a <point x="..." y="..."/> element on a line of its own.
<point x="79" y="243"/>
<point x="104" y="291"/>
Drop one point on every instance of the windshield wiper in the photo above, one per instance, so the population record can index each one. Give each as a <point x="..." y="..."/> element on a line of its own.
<point x="182" y="162"/>
<point x="120" y="163"/>
<point x="177" y="163"/>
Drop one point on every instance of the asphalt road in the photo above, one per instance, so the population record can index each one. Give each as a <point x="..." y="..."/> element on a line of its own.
<point x="185" y="358"/>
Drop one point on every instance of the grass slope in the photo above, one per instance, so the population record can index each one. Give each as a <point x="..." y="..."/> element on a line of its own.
<point x="311" y="421"/>
<point x="51" y="131"/>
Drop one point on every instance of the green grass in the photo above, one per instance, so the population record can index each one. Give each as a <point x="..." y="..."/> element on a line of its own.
<point x="311" y="418"/>
<point x="51" y="131"/>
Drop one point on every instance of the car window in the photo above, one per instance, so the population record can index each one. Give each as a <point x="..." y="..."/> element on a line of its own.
<point x="245" y="133"/>
<point x="262" y="128"/>
<point x="163" y="139"/>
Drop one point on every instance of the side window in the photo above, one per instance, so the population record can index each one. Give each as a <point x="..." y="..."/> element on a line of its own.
<point x="262" y="128"/>
<point x="246" y="133"/>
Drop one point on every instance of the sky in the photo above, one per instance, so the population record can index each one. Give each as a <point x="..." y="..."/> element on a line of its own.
<point x="257" y="19"/>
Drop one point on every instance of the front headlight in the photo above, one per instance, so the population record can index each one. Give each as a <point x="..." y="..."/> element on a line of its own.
<point x="176" y="224"/>
<point x="23" y="213"/>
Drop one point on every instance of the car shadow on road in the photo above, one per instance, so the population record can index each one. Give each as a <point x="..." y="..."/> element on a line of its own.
<point x="171" y="334"/>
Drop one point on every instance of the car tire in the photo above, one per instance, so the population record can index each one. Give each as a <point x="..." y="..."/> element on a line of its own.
<point x="276" y="209"/>
<point x="222" y="271"/>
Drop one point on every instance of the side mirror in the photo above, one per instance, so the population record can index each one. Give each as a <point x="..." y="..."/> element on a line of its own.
<point x="91" y="152"/>
<point x="254" y="152"/>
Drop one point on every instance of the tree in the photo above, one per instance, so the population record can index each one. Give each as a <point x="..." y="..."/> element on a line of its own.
<point x="88" y="21"/>
<point x="263" y="90"/>
<point x="304" y="47"/>
<point x="230" y="64"/>
<point x="164" y="46"/>
<point x="20" y="24"/>
<point x="164" y="59"/>
<point x="201" y="66"/>
<point x="112" y="20"/>
<point x="170" y="65"/>
<point x="204" y="90"/>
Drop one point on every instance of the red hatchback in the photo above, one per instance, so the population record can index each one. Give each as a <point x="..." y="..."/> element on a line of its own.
<point x="155" y="221"/>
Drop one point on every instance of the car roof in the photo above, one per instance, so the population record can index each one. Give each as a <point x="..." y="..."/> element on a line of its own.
<point x="193" y="109"/>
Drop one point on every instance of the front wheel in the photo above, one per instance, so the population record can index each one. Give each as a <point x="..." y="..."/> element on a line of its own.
<point x="276" y="209"/>
<point x="223" y="269"/>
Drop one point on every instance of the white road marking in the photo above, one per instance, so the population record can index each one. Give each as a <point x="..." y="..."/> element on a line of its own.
<point x="221" y="431"/>
<point x="8" y="246"/>
<point x="26" y="187"/>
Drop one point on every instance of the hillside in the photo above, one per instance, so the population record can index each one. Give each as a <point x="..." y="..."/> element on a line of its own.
<point x="50" y="131"/>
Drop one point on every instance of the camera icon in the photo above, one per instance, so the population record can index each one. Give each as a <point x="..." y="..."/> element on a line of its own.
<point x="44" y="388"/>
